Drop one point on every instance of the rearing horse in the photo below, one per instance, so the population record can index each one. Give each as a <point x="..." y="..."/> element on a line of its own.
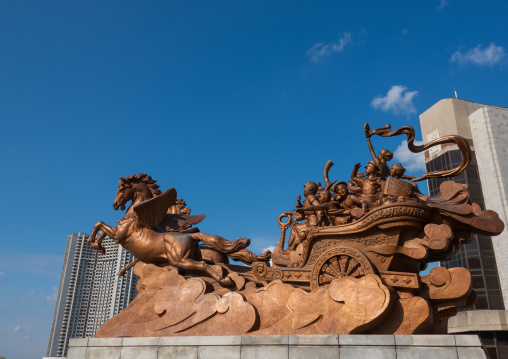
<point x="139" y="231"/>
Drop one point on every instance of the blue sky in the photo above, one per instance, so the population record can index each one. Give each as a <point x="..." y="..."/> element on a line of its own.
<point x="235" y="104"/>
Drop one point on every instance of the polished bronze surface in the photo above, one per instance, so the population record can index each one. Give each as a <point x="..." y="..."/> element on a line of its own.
<point x="141" y="232"/>
<point x="348" y="259"/>
<point x="385" y="155"/>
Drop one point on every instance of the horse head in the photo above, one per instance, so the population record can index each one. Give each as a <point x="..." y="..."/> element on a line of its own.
<point x="138" y="188"/>
<point x="124" y="194"/>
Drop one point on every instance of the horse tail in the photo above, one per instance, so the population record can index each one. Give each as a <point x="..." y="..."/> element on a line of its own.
<point x="235" y="250"/>
<point x="247" y="257"/>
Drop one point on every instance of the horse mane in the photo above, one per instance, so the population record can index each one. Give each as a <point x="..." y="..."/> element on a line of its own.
<point x="150" y="183"/>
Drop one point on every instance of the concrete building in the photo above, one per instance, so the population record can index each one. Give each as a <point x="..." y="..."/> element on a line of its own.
<point x="90" y="292"/>
<point x="486" y="129"/>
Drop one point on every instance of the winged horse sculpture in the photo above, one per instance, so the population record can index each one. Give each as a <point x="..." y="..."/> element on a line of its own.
<point x="141" y="232"/>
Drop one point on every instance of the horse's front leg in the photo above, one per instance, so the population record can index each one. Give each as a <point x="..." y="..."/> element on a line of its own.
<point x="97" y="243"/>
<point x="106" y="231"/>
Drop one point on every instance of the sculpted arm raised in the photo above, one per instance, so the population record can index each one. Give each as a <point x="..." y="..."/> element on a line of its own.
<point x="375" y="158"/>
<point x="354" y="175"/>
<point x="383" y="156"/>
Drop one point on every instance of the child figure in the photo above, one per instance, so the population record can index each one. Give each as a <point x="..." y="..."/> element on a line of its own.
<point x="312" y="217"/>
<point x="345" y="202"/>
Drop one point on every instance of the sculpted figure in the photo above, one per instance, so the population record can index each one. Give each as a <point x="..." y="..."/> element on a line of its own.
<point x="345" y="202"/>
<point x="397" y="170"/>
<point x="314" y="218"/>
<point x="353" y="186"/>
<point x="383" y="156"/>
<point x="180" y="207"/>
<point x="371" y="185"/>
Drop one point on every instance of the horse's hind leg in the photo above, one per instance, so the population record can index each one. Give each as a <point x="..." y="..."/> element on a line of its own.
<point x="179" y="250"/>
<point x="190" y="265"/>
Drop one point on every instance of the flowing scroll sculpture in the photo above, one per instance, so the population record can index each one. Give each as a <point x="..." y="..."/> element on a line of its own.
<point x="352" y="264"/>
<point x="385" y="155"/>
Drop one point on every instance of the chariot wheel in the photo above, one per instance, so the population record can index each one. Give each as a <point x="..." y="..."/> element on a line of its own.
<point x="337" y="263"/>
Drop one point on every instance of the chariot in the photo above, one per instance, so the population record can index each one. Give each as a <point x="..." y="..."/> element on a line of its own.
<point x="378" y="242"/>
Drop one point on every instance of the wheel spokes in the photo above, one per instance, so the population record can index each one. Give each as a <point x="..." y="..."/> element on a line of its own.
<point x="325" y="278"/>
<point x="344" y="263"/>
<point x="338" y="266"/>
<point x="353" y="265"/>
<point x="329" y="270"/>
<point x="339" y="263"/>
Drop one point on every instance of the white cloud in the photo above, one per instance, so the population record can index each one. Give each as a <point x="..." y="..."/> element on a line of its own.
<point x="17" y="328"/>
<point x="442" y="4"/>
<point x="2" y="274"/>
<point x="411" y="161"/>
<point x="26" y="337"/>
<point x="53" y="296"/>
<point x="269" y="248"/>
<point x="398" y="100"/>
<point x="482" y="57"/>
<point x="405" y="32"/>
<point x="320" y="51"/>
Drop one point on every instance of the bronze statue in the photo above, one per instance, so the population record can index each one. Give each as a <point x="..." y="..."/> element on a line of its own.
<point x="314" y="217"/>
<point x="397" y="170"/>
<point x="345" y="203"/>
<point x="352" y="263"/>
<point x="383" y="156"/>
<point x="140" y="233"/>
<point x="371" y="184"/>
<point x="386" y="131"/>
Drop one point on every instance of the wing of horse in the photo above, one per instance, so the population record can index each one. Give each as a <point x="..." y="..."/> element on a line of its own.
<point x="177" y="221"/>
<point x="151" y="212"/>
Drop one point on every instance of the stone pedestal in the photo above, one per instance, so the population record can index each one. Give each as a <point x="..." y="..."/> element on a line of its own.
<point x="280" y="347"/>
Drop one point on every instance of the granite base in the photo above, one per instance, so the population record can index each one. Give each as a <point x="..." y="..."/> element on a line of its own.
<point x="281" y="347"/>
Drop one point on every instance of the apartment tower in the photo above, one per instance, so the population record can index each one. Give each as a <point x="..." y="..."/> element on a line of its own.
<point x="90" y="292"/>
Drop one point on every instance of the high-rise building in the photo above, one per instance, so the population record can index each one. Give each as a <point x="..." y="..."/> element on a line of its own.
<point x="486" y="129"/>
<point x="90" y="292"/>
